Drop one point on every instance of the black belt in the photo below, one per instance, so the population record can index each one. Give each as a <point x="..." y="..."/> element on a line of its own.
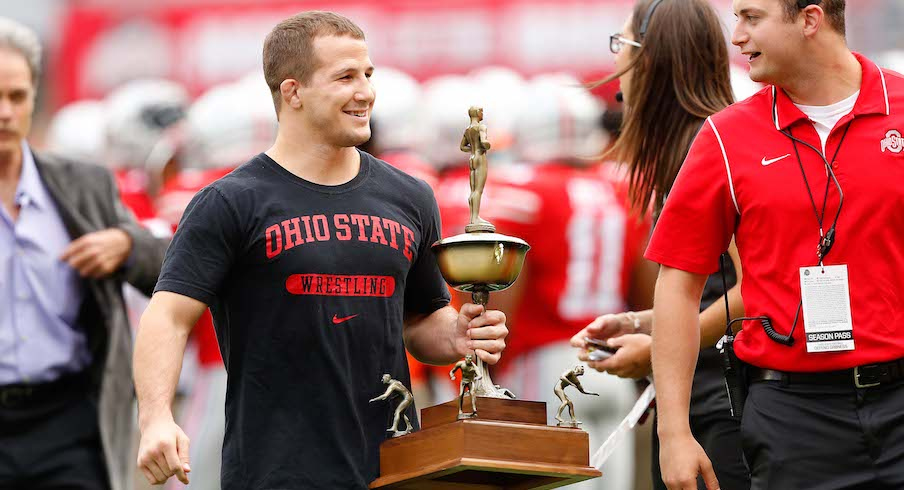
<point x="23" y="396"/>
<point x="860" y="377"/>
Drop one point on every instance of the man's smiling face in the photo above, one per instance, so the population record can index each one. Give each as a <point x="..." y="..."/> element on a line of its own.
<point x="336" y="102"/>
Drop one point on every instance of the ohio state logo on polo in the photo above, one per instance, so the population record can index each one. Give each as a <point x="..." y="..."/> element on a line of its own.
<point x="893" y="141"/>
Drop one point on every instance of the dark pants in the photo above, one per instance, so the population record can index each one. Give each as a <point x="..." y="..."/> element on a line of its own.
<point x="824" y="437"/>
<point x="720" y="436"/>
<point x="54" y="444"/>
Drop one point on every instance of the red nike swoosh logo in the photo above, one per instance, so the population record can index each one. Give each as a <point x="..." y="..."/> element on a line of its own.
<point x="337" y="320"/>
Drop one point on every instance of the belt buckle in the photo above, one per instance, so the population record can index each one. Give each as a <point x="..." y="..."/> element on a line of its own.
<point x="14" y="396"/>
<point x="870" y="373"/>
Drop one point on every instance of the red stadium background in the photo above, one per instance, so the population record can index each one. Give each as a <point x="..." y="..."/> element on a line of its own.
<point x="201" y="44"/>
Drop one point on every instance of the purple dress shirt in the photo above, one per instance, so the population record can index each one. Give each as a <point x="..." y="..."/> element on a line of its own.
<point x="40" y="295"/>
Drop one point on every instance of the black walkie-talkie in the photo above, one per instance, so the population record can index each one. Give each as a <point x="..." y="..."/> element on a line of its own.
<point x="732" y="369"/>
<point x="735" y="384"/>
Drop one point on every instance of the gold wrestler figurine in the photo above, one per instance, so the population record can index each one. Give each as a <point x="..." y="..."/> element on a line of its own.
<point x="567" y="378"/>
<point x="475" y="141"/>
<point x="469" y="376"/>
<point x="397" y="388"/>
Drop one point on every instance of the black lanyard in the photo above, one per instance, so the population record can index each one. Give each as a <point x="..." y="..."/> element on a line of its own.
<point x="826" y="239"/>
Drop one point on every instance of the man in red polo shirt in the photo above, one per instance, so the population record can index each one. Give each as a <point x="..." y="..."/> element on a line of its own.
<point x="825" y="393"/>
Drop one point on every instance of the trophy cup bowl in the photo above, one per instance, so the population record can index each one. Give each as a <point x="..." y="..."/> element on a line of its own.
<point x="479" y="263"/>
<point x="473" y="262"/>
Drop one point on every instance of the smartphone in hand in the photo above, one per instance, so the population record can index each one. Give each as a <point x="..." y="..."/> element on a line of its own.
<point x="598" y="350"/>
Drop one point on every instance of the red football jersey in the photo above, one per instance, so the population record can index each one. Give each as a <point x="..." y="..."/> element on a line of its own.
<point x="413" y="165"/>
<point x="178" y="192"/>
<point x="132" y="185"/>
<point x="584" y="242"/>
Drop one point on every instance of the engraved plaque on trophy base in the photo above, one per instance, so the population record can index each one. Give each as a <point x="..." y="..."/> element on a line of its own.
<point x="508" y="446"/>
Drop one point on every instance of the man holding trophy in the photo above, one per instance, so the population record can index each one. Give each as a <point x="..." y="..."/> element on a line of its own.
<point x="315" y="260"/>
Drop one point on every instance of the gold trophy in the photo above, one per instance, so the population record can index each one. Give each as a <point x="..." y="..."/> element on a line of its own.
<point x="480" y="261"/>
<point x="502" y="442"/>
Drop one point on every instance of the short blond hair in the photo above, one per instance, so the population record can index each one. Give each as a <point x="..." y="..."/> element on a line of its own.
<point x="289" y="48"/>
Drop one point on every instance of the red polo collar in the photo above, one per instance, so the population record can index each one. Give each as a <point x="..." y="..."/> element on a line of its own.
<point x="873" y="98"/>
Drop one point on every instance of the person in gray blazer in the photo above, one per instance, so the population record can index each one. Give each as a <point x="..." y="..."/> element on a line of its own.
<point x="67" y="244"/>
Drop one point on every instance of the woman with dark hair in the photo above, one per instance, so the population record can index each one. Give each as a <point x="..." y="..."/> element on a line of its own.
<point x="672" y="65"/>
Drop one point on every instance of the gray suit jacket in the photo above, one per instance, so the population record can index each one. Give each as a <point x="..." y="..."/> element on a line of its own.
<point x="88" y="200"/>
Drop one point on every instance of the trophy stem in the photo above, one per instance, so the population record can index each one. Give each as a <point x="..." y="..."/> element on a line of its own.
<point x="484" y="386"/>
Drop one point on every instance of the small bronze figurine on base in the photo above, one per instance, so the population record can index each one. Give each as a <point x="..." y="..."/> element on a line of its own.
<point x="569" y="377"/>
<point x="397" y="388"/>
<point x="475" y="142"/>
<point x="469" y="376"/>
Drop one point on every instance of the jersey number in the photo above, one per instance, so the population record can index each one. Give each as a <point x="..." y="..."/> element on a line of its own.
<point x="596" y="242"/>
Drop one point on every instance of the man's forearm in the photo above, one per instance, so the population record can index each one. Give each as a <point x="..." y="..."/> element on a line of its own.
<point x="157" y="363"/>
<point x="430" y="338"/>
<point x="676" y="340"/>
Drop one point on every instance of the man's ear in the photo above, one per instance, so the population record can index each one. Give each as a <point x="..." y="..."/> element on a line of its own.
<point x="813" y="16"/>
<point x="290" y="91"/>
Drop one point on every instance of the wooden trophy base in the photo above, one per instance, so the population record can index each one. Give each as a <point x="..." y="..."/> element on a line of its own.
<point x="507" y="446"/>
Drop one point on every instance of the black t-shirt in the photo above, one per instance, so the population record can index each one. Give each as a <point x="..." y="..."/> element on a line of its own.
<point x="308" y="286"/>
